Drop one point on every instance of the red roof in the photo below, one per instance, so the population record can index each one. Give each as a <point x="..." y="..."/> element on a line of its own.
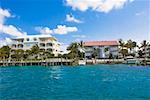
<point x="101" y="43"/>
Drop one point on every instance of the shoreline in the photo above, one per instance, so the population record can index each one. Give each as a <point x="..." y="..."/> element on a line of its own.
<point x="68" y="62"/>
<point x="132" y="65"/>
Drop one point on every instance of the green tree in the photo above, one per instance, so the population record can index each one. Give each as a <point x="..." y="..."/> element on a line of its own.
<point x="74" y="50"/>
<point x="27" y="54"/>
<point x="140" y="53"/>
<point x="17" y="54"/>
<point x="81" y="50"/>
<point x="95" y="53"/>
<point x="124" y="52"/>
<point x="35" y="50"/>
<point x="122" y="45"/>
<point x="5" y="52"/>
<point x="144" y="44"/>
<point x="134" y="44"/>
<point x="110" y="56"/>
<point x="107" y="53"/>
<point x="131" y="45"/>
<point x="45" y="54"/>
<point x="106" y="49"/>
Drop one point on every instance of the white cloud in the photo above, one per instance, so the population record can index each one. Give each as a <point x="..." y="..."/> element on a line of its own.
<point x="63" y="29"/>
<point x="8" y="29"/>
<point x="44" y="30"/>
<point x="4" y="14"/>
<point x="71" y="18"/>
<point x="97" y="5"/>
<point x="11" y="30"/>
<point x="4" y="42"/>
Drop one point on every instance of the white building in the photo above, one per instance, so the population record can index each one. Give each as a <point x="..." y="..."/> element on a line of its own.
<point x="100" y="48"/>
<point x="45" y="42"/>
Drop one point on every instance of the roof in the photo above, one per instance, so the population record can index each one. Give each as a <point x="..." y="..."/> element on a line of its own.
<point x="32" y="36"/>
<point x="100" y="43"/>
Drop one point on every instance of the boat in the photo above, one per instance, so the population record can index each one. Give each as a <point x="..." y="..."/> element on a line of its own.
<point x="82" y="62"/>
<point x="131" y="60"/>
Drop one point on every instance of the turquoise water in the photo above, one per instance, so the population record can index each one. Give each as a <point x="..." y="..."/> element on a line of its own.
<point x="93" y="82"/>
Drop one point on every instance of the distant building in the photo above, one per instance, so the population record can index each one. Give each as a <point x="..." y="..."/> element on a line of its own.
<point x="102" y="48"/>
<point x="45" y="42"/>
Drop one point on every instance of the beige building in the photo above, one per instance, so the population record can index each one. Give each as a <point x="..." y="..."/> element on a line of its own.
<point x="45" y="42"/>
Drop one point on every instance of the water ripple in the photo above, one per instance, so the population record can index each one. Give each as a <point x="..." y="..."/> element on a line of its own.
<point x="93" y="82"/>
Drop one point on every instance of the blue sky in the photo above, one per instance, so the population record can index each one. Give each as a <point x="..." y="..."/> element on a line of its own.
<point x="87" y="19"/>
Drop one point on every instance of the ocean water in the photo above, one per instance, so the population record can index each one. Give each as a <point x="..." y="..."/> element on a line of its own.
<point x="91" y="82"/>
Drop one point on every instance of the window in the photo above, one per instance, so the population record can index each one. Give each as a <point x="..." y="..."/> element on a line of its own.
<point x="21" y="40"/>
<point x="13" y="45"/>
<point x="35" y="39"/>
<point x="49" y="44"/>
<point x="20" y="46"/>
<point x="42" y="44"/>
<point x="49" y="50"/>
<point x="27" y="39"/>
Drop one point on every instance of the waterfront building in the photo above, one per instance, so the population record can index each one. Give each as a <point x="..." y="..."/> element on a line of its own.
<point x="45" y="42"/>
<point x="103" y="49"/>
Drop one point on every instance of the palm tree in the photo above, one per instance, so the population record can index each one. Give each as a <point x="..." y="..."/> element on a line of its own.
<point x="20" y="53"/>
<point x="134" y="44"/>
<point x="129" y="45"/>
<point x="42" y="54"/>
<point x="17" y="54"/>
<point x="144" y="44"/>
<point x="122" y="50"/>
<point x="106" y="50"/>
<point x="140" y="53"/>
<point x="111" y="56"/>
<point x="82" y="50"/>
<point x="35" y="51"/>
<point x="74" y="51"/>
<point x="95" y="53"/>
<point x="5" y="52"/>
<point x="27" y="54"/>
<point x="121" y="43"/>
<point x="45" y="54"/>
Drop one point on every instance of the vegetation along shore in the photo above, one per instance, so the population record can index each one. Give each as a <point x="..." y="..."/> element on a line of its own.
<point x="77" y="52"/>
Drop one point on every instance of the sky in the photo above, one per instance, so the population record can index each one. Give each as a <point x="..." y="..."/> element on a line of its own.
<point x="76" y="20"/>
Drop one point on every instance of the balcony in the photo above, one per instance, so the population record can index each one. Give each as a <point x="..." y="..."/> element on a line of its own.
<point x="42" y="45"/>
<point x="20" y="46"/>
<point x="13" y="46"/>
<point x="49" y="49"/>
<point x="49" y="44"/>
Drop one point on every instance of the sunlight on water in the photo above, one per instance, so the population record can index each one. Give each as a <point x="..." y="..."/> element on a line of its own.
<point x="55" y="72"/>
